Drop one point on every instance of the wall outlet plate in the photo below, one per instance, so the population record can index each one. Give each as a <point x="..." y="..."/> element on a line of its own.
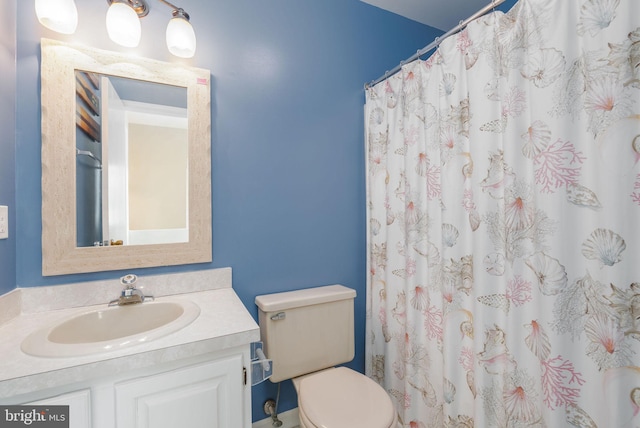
<point x="4" y="222"/>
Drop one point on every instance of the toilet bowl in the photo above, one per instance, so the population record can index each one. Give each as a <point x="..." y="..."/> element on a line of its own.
<point x="342" y="398"/>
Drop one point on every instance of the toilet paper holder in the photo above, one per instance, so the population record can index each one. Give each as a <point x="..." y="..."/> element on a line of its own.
<point x="261" y="366"/>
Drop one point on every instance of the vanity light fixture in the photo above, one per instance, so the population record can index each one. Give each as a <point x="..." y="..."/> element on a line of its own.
<point x="123" y="23"/>
<point x="124" y="30"/>
<point x="58" y="15"/>
<point x="181" y="39"/>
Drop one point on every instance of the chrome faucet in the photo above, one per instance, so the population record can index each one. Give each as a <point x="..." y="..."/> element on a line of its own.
<point x="130" y="294"/>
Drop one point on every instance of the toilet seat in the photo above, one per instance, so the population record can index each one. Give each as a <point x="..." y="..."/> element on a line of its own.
<point x="343" y="398"/>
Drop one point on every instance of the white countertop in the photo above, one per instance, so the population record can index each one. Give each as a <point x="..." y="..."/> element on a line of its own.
<point x="223" y="323"/>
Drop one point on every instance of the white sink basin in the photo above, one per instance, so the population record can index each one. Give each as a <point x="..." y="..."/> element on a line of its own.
<point x="111" y="328"/>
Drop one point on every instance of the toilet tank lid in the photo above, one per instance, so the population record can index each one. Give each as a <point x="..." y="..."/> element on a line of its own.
<point x="305" y="297"/>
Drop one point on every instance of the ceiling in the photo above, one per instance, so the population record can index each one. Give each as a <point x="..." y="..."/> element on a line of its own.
<point x="441" y="14"/>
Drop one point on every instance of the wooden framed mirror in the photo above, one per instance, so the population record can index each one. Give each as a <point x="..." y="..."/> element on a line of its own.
<point x="74" y="91"/>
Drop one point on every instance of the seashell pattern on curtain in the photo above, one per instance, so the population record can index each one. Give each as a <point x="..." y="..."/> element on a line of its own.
<point x="503" y="209"/>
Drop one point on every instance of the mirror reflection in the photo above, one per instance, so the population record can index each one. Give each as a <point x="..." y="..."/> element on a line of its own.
<point x="131" y="161"/>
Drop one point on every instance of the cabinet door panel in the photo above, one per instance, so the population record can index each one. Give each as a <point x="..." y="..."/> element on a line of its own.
<point x="207" y="395"/>
<point x="79" y="403"/>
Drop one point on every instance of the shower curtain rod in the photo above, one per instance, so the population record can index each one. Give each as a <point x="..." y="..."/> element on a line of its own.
<point x="436" y="42"/>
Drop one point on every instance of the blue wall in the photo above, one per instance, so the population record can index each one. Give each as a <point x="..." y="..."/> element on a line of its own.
<point x="287" y="139"/>
<point x="7" y="140"/>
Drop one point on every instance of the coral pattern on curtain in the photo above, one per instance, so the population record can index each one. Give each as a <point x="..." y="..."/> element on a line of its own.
<point x="503" y="208"/>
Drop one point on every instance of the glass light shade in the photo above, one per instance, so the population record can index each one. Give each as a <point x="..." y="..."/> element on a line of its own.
<point x="123" y="25"/>
<point x="58" y="15"/>
<point x="181" y="39"/>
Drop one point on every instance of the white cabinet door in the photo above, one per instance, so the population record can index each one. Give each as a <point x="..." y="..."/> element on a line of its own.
<point x="208" y="395"/>
<point x="79" y="403"/>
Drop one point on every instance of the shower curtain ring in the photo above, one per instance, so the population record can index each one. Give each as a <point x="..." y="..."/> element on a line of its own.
<point x="635" y="144"/>
<point x="370" y="85"/>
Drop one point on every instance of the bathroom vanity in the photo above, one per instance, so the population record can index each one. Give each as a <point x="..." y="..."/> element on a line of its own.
<point x="195" y="374"/>
<point x="194" y="377"/>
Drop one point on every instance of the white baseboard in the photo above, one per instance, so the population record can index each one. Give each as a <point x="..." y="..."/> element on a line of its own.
<point x="289" y="420"/>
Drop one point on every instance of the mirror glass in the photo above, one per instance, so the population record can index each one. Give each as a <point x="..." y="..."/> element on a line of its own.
<point x="132" y="161"/>
<point x="126" y="161"/>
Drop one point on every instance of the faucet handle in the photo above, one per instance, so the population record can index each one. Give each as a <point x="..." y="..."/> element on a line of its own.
<point x="130" y="294"/>
<point x="128" y="280"/>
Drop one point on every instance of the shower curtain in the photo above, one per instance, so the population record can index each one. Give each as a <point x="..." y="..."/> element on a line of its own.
<point x="503" y="209"/>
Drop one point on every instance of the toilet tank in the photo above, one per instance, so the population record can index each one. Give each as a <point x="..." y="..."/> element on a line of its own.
<point x="307" y="330"/>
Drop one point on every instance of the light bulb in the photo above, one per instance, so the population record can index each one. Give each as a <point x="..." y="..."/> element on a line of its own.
<point x="181" y="39"/>
<point x="123" y="25"/>
<point x="58" y="15"/>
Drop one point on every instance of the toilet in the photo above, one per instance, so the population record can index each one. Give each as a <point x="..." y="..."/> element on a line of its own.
<point x="307" y="333"/>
